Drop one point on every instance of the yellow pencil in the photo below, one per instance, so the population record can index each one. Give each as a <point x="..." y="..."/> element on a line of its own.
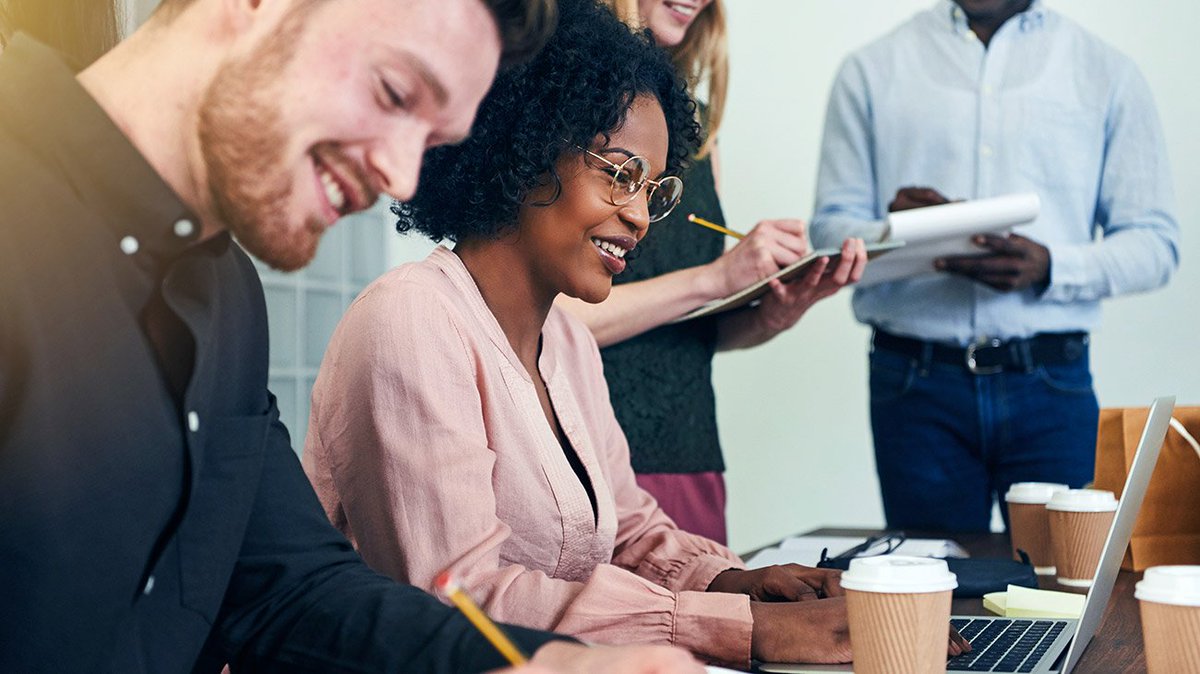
<point x="714" y="226"/>
<point x="445" y="583"/>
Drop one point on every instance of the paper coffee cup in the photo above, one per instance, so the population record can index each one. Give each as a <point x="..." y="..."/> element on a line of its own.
<point x="1170" y="601"/>
<point x="1029" y="523"/>
<point x="1079" y="523"/>
<point x="899" y="611"/>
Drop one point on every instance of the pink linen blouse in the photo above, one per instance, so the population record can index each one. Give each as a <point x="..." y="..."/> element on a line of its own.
<point x="429" y="449"/>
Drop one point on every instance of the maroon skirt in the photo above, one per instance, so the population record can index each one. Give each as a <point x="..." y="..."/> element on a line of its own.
<point x="696" y="501"/>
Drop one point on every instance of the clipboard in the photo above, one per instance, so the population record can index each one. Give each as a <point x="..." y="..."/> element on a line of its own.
<point x="752" y="293"/>
<point x="946" y="230"/>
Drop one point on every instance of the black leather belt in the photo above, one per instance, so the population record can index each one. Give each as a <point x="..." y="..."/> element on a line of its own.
<point x="992" y="356"/>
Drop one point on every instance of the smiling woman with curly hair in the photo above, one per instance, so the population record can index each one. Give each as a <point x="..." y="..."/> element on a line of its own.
<point x="461" y="422"/>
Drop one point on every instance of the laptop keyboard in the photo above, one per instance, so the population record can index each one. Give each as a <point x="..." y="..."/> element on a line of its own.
<point x="1004" y="645"/>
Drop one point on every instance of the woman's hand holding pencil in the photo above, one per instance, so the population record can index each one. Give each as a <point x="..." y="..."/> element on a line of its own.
<point x="769" y="247"/>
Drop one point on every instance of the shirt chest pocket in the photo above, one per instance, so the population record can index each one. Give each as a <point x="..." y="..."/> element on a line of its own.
<point x="1063" y="144"/>
<point x="211" y="532"/>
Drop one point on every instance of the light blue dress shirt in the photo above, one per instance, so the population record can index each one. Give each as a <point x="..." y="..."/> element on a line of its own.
<point x="1046" y="107"/>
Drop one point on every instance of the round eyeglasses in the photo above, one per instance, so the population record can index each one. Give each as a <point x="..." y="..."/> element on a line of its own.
<point x="631" y="175"/>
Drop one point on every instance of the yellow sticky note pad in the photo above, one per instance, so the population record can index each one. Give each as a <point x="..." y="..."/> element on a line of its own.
<point x="1024" y="602"/>
<point x="996" y="602"/>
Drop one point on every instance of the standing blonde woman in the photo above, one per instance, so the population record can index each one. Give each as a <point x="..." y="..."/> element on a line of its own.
<point x="660" y="374"/>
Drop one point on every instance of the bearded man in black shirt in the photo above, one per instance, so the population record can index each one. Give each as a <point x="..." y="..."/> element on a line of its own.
<point x="153" y="516"/>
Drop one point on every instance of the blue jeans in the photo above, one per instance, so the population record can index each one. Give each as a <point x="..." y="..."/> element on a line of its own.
<point x="948" y="442"/>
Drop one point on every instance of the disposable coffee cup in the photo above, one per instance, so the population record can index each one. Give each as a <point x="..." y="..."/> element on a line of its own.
<point x="1029" y="522"/>
<point x="1079" y="524"/>
<point x="1170" y="601"/>
<point x="899" y="610"/>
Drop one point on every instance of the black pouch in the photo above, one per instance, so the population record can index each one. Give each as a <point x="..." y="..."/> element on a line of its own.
<point x="976" y="577"/>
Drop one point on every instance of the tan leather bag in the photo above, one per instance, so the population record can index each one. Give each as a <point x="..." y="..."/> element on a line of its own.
<point x="1168" y="526"/>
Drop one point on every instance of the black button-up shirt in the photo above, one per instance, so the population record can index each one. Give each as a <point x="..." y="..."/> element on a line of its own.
<point x="153" y="516"/>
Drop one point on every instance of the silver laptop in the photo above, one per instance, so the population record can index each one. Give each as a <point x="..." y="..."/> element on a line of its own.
<point x="1038" y="645"/>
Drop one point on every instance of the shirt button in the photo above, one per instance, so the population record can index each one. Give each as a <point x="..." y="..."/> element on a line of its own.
<point x="987" y="90"/>
<point x="985" y="150"/>
<point x="149" y="586"/>
<point x="184" y="228"/>
<point x="129" y="245"/>
<point x="193" y="420"/>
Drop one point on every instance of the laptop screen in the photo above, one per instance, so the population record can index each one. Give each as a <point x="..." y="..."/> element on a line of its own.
<point x="1122" y="527"/>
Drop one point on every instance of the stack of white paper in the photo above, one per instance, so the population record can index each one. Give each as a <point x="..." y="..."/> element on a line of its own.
<point x="806" y="550"/>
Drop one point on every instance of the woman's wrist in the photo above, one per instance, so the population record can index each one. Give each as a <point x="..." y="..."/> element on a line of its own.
<point x="726" y="581"/>
<point x="713" y="281"/>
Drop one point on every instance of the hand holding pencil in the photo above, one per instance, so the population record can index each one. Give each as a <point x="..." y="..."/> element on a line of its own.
<point x="769" y="247"/>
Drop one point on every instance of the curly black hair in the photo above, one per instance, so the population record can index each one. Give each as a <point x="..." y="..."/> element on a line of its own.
<point x="579" y="86"/>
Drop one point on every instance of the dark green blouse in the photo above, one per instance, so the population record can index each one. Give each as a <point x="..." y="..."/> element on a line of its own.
<point x="660" y="381"/>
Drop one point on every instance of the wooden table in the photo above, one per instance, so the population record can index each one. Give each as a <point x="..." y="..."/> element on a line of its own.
<point x="1117" y="646"/>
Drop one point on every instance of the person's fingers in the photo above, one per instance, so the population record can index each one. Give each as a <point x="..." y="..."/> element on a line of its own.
<point x="975" y="265"/>
<point x="841" y="273"/>
<point x="958" y="644"/>
<point x="1001" y="282"/>
<point x="915" y="197"/>
<point x="832" y="586"/>
<point x="795" y="589"/>
<point x="791" y="227"/>
<point x="929" y="196"/>
<point x="791" y="583"/>
<point x="812" y="277"/>
<point x="1000" y="244"/>
<point x="860" y="262"/>
<point x="787" y="235"/>
<point x="787" y="249"/>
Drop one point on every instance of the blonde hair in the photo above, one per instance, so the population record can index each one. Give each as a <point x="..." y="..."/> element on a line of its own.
<point x="82" y="30"/>
<point x="702" y="58"/>
<point x="5" y="27"/>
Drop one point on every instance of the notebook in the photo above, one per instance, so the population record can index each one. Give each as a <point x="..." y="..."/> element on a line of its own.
<point x="1035" y="645"/>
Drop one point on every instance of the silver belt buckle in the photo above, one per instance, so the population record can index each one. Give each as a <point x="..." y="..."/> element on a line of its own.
<point x="973" y="367"/>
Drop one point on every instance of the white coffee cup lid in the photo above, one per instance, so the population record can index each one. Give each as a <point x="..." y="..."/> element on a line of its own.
<point x="1033" y="492"/>
<point x="899" y="574"/>
<point x="1083" y="501"/>
<point x="1178" y="585"/>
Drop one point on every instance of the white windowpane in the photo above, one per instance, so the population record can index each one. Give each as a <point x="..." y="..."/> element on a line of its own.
<point x="327" y="265"/>
<point x="323" y="310"/>
<point x="367" y="256"/>
<point x="281" y="323"/>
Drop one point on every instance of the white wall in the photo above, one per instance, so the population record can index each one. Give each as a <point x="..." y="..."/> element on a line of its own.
<point x="793" y="413"/>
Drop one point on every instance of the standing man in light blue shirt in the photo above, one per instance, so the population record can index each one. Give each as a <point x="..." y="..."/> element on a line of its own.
<point x="979" y="369"/>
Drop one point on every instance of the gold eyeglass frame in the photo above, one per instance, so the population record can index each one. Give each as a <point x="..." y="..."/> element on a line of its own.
<point x="614" y="190"/>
